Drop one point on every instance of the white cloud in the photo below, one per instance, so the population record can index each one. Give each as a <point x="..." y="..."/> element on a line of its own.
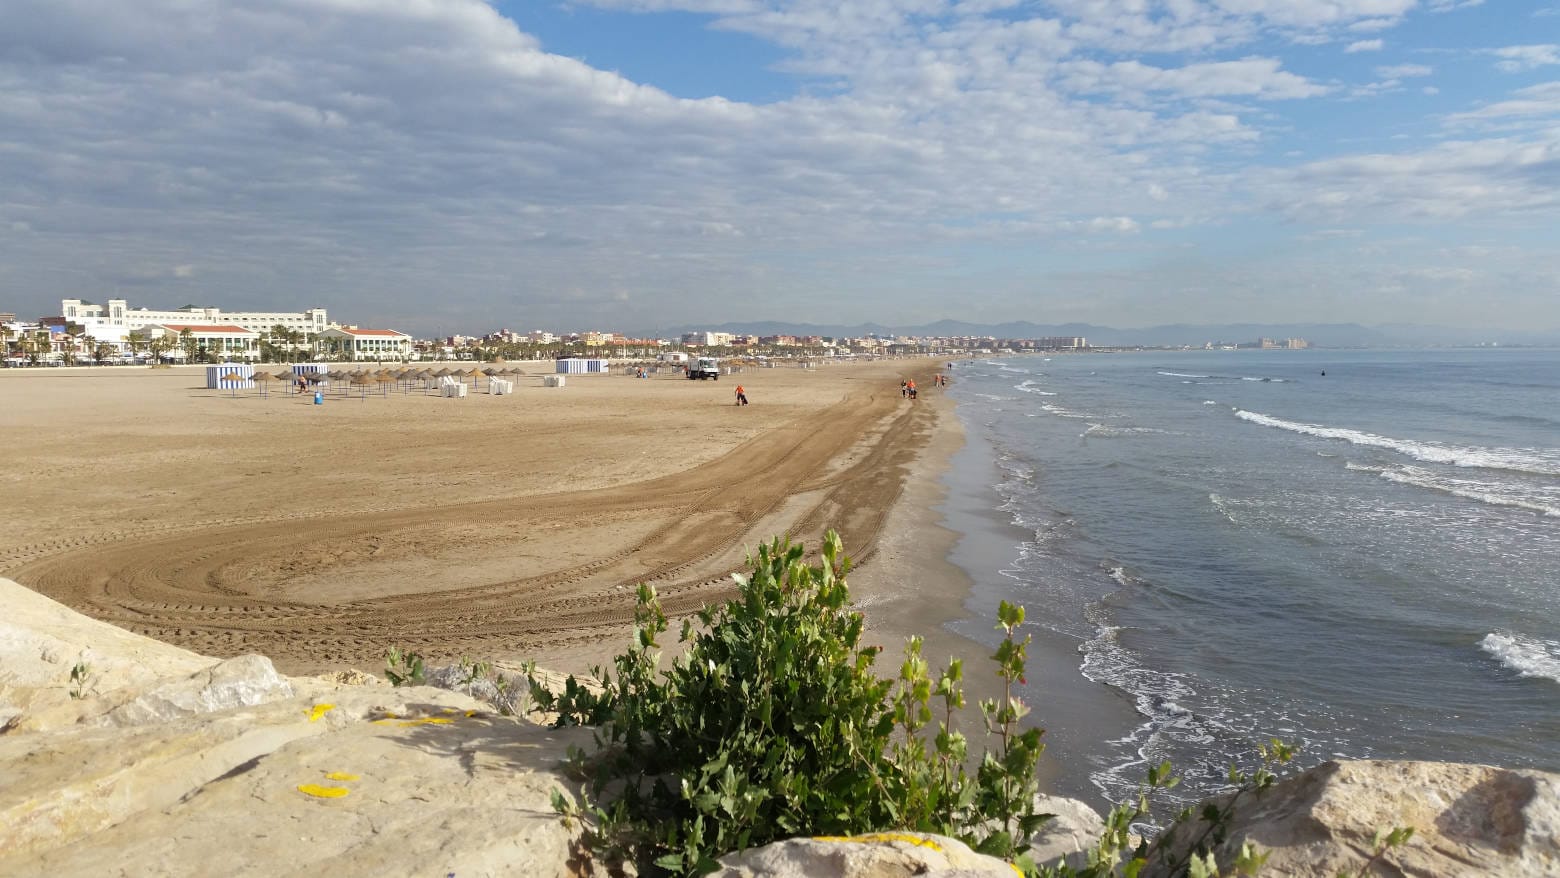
<point x="1403" y="71"/>
<point x="1363" y="46"/>
<point x="1536" y="103"/>
<point x="1253" y="77"/>
<point x="1447" y="181"/>
<point x="1517" y="59"/>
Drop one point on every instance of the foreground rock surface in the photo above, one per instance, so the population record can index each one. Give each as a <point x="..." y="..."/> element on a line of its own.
<point x="162" y="762"/>
<point x="1468" y="820"/>
<point x="878" y="855"/>
<point x="158" y="761"/>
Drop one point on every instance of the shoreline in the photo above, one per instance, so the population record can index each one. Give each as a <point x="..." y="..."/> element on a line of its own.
<point x="937" y="573"/>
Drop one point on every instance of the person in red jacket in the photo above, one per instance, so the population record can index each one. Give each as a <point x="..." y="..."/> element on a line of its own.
<point x="741" y="396"/>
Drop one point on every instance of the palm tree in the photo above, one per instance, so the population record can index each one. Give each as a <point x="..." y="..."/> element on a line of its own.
<point x="137" y="341"/>
<point x="160" y="346"/>
<point x="187" y="341"/>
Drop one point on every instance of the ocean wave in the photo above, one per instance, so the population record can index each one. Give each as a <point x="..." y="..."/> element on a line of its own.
<point x="1209" y="402"/>
<point x="1468" y="489"/>
<point x="1220" y="377"/>
<point x="1029" y="387"/>
<point x="1540" y="461"/>
<point x="1528" y="656"/>
<point x="1108" y="431"/>
<point x="1060" y="412"/>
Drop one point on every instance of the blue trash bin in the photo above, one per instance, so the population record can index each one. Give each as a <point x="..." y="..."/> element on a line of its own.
<point x="319" y="398"/>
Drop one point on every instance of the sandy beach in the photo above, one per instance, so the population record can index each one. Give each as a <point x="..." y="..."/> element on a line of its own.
<point x="498" y="527"/>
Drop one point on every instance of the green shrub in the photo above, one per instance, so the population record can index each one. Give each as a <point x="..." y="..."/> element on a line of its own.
<point x="773" y="724"/>
<point x="404" y="668"/>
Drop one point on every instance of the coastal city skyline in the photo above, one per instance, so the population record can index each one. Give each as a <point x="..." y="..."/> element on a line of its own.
<point x="439" y="168"/>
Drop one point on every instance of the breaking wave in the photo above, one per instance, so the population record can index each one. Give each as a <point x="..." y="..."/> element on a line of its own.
<point x="1544" y="462"/>
<point x="1528" y="656"/>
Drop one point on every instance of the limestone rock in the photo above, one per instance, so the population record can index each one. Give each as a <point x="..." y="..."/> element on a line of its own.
<point x="878" y="855"/>
<point x="183" y="765"/>
<point x="1070" y="835"/>
<point x="42" y="640"/>
<point x="244" y="681"/>
<point x="1468" y="820"/>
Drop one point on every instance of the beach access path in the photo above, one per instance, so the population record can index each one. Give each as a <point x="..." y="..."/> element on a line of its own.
<point x="494" y="527"/>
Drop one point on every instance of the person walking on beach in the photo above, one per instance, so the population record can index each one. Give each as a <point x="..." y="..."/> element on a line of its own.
<point x="904" y="387"/>
<point x="741" y="396"/>
<point x="910" y="389"/>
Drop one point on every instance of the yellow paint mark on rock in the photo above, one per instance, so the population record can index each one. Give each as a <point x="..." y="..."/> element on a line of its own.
<point x="876" y="837"/>
<point x="341" y="775"/>
<point x="319" y="792"/>
<point x="319" y="711"/>
<point x="429" y="721"/>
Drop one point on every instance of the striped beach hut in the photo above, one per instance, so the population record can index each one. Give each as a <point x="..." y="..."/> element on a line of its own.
<point x="220" y="376"/>
<point x="580" y="366"/>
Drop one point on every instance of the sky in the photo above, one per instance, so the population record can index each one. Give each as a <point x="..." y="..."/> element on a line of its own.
<point x="443" y="166"/>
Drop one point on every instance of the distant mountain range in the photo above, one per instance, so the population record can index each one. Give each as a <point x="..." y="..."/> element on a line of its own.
<point x="1318" y="334"/>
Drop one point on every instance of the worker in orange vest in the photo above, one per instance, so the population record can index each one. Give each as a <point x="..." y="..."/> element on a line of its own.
<point x="741" y="396"/>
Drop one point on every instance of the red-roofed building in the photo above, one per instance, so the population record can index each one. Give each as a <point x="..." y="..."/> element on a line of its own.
<point x="352" y="343"/>
<point x="223" y="341"/>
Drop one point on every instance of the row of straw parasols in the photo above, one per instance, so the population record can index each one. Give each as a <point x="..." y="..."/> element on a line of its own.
<point x="384" y="379"/>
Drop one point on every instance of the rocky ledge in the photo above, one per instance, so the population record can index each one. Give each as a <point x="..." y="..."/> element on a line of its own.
<point x="123" y="755"/>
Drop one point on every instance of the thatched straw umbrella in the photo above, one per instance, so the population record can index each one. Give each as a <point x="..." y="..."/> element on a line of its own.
<point x="361" y="381"/>
<point x="264" y="379"/>
<point x="384" y="380"/>
<point x="235" y="377"/>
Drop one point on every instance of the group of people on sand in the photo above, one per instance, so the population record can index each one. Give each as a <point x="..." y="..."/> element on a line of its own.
<point x="907" y="386"/>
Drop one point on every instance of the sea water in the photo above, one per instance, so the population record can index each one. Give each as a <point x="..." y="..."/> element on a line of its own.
<point x="1364" y="563"/>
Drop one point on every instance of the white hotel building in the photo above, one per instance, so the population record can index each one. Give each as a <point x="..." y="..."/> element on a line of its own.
<point x="233" y="335"/>
<point x="117" y="315"/>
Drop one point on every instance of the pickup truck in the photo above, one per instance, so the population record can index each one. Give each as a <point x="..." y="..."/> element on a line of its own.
<point x="704" y="367"/>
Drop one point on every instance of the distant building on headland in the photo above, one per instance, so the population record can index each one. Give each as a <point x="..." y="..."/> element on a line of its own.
<point x="1288" y="344"/>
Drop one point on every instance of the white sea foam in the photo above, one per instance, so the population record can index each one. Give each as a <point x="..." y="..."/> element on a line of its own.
<point x="1223" y="506"/>
<point x="1062" y="413"/>
<point x="1106" y="431"/>
<point x="1531" y="460"/>
<point x="1209" y="402"/>
<point x="1183" y="375"/>
<point x="1272" y="380"/>
<point x="1484" y="492"/>
<point x="1528" y="656"/>
<point x="1029" y="386"/>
